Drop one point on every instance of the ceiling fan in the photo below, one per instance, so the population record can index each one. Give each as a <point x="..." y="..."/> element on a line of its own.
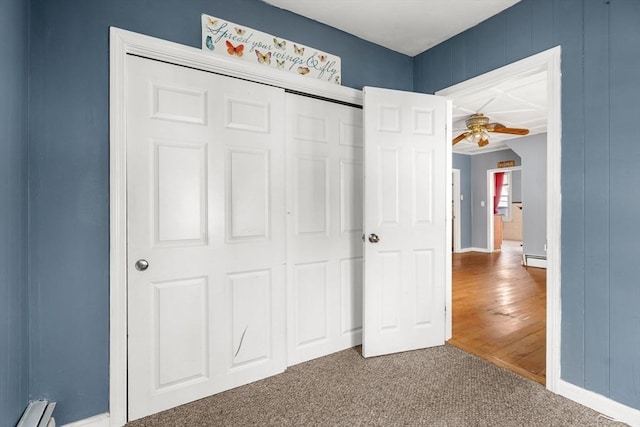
<point x="479" y="127"/>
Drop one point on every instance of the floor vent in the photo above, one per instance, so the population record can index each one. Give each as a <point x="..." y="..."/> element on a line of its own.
<point x="38" y="414"/>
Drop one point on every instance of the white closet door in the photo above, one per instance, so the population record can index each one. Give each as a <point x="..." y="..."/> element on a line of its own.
<point x="324" y="246"/>
<point x="206" y="203"/>
<point x="407" y="203"/>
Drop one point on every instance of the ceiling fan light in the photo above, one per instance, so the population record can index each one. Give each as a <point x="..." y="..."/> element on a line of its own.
<point x="477" y="137"/>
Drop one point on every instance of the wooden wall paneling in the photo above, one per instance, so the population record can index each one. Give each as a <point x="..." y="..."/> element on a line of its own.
<point x="596" y="200"/>
<point x="491" y="43"/>
<point x="470" y="53"/>
<point x="624" y="226"/>
<point x="518" y="31"/>
<point x="568" y="32"/>
<point x="541" y="25"/>
<point x="423" y="74"/>
<point x="458" y="59"/>
<point x="442" y="66"/>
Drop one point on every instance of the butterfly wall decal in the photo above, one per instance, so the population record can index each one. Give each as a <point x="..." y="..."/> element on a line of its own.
<point x="212" y="22"/>
<point x="281" y="44"/>
<point x="239" y="31"/>
<point x="234" y="50"/>
<point x="298" y="50"/>
<point x="280" y="63"/>
<point x="322" y="58"/>
<point x="209" y="42"/>
<point x="303" y="70"/>
<point x="263" y="58"/>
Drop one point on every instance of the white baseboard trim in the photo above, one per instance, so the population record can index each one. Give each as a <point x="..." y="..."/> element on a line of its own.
<point x="599" y="403"/>
<point x="483" y="250"/>
<point x="100" y="420"/>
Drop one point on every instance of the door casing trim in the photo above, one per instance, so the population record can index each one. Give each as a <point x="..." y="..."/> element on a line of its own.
<point x="123" y="43"/>
<point x="489" y="211"/>
<point x="549" y="61"/>
<point x="457" y="239"/>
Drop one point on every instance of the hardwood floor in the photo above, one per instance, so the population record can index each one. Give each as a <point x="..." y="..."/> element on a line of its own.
<point x="499" y="310"/>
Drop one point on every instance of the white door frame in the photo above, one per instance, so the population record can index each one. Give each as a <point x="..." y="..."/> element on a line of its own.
<point x="490" y="194"/>
<point x="456" y="210"/>
<point x="548" y="61"/>
<point x="123" y="43"/>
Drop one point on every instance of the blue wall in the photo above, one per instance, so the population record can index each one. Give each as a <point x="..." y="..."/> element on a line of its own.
<point x="463" y="162"/>
<point x="600" y="168"/>
<point x="68" y="172"/>
<point x="69" y="166"/>
<point x="532" y="150"/>
<point x="14" y="357"/>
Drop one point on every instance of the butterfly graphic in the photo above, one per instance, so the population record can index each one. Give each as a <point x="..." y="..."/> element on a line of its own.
<point x="239" y="31"/>
<point x="234" y="50"/>
<point x="322" y="58"/>
<point x="212" y="22"/>
<point x="280" y="63"/>
<point x="209" y="42"/>
<point x="298" y="50"/>
<point x="263" y="58"/>
<point x="303" y="70"/>
<point x="337" y="79"/>
<point x="282" y="44"/>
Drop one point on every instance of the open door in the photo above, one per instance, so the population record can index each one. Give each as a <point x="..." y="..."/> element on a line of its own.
<point x="407" y="220"/>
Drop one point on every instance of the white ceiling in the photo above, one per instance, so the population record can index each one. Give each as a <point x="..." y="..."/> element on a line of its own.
<point x="413" y="26"/>
<point x="405" y="26"/>
<point x="517" y="102"/>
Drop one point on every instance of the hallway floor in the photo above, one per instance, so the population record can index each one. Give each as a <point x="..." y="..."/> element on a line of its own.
<point x="499" y="310"/>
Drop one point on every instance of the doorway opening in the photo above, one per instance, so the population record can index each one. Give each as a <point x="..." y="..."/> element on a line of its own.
<point x="502" y="279"/>
<point x="499" y="303"/>
<point x="504" y="207"/>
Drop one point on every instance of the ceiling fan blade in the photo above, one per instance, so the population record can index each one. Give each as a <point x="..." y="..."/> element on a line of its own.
<point x="512" y="131"/>
<point x="460" y="137"/>
<point x="492" y="126"/>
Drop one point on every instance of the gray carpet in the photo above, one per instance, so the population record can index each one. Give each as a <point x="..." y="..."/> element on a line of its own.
<point x="442" y="386"/>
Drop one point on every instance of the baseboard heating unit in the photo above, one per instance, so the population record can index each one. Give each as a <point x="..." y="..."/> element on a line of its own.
<point x="529" y="260"/>
<point x="39" y="413"/>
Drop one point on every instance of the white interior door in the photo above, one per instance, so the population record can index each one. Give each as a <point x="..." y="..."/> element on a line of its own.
<point x="324" y="246"/>
<point x="407" y="220"/>
<point x="206" y="213"/>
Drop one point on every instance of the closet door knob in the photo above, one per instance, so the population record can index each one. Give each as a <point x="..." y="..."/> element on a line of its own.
<point x="373" y="238"/>
<point x="142" y="264"/>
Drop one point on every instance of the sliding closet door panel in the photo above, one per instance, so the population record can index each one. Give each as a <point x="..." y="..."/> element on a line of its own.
<point x="324" y="246"/>
<point x="206" y="199"/>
